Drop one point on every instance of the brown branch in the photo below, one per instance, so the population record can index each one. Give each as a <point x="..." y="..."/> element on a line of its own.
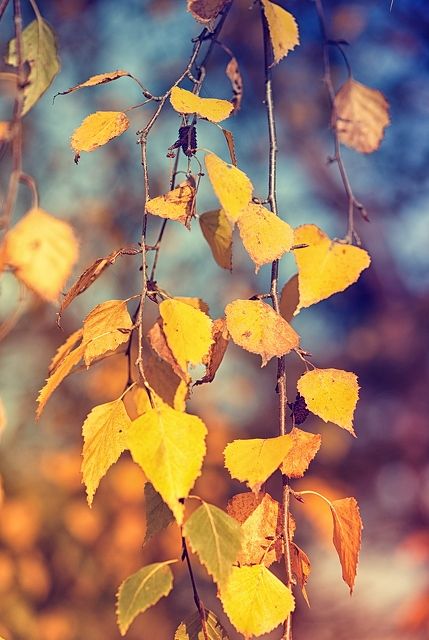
<point x="198" y="602"/>
<point x="281" y="366"/>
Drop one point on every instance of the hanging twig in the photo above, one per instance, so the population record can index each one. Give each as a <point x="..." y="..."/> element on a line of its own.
<point x="198" y="602"/>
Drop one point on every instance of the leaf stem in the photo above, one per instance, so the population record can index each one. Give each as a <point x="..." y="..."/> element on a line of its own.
<point x="198" y="602"/>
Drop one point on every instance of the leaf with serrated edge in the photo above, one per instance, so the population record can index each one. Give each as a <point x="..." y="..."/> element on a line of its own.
<point x="158" y="514"/>
<point x="347" y="536"/>
<point x="217" y="230"/>
<point x="256" y="327"/>
<point x="106" y="327"/>
<point x="64" y="349"/>
<point x="304" y="448"/>
<point x="61" y="371"/>
<point x="97" y="129"/>
<point x="191" y="628"/>
<point x="184" y="101"/>
<point x="231" y="186"/>
<point x="142" y="590"/>
<point x="283" y="29"/>
<point x="255" y="601"/>
<point x="105" y="438"/>
<point x="216" y="538"/>
<point x="331" y="394"/>
<point x="170" y="447"/>
<point x="253" y="461"/>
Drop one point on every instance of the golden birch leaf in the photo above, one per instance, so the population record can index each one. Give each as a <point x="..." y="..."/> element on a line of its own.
<point x="255" y="601"/>
<point x="338" y="265"/>
<point x="217" y="350"/>
<point x="170" y="447"/>
<point x="142" y="590"/>
<point x="217" y="230"/>
<point x="106" y="327"/>
<point x="100" y="78"/>
<point x="331" y="394"/>
<point x="205" y="11"/>
<point x="304" y="448"/>
<point x="61" y="371"/>
<point x="39" y="50"/>
<point x="253" y="461"/>
<point x="42" y="250"/>
<point x="261" y="527"/>
<point x="184" y="101"/>
<point x="216" y="538"/>
<point x="158" y="514"/>
<point x="301" y="568"/>
<point x="231" y="186"/>
<point x="188" y="332"/>
<point x="283" y="29"/>
<point x="178" y="204"/>
<point x="347" y="536"/>
<point x="196" y="303"/>
<point x="97" y="129"/>
<point x="64" y="349"/>
<point x="256" y="327"/>
<point x="265" y="237"/>
<point x="360" y="116"/>
<point x="191" y="628"/>
<point x="289" y="299"/>
<point x="105" y="438"/>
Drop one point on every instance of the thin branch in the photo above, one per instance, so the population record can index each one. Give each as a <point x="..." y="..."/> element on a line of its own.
<point x="281" y="367"/>
<point x="3" y="7"/>
<point x="198" y="602"/>
<point x="31" y="184"/>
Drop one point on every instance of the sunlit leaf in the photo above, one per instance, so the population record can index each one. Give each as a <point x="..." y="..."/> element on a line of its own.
<point x="169" y="446"/>
<point x="62" y="370"/>
<point x="184" y="101"/>
<point x="105" y="438"/>
<point x="255" y="601"/>
<point x="254" y="460"/>
<point x="216" y="538"/>
<point x="64" y="349"/>
<point x="217" y="350"/>
<point x="191" y="628"/>
<point x="360" y="116"/>
<point x="178" y="204"/>
<point x="42" y="250"/>
<point x="338" y="265"/>
<point x="265" y="237"/>
<point x="304" y="448"/>
<point x="256" y="327"/>
<point x="347" y="536"/>
<point x="100" y="78"/>
<point x="39" y="50"/>
<point x="283" y="29"/>
<point x="142" y="590"/>
<point x="231" y="186"/>
<point x="158" y="514"/>
<point x="331" y="394"/>
<point x="217" y="230"/>
<point x="106" y="327"/>
<point x="97" y="129"/>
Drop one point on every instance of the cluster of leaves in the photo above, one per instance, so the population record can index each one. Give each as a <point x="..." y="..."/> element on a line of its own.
<point x="149" y="419"/>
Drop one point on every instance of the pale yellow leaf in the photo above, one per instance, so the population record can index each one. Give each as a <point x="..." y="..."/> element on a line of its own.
<point x="188" y="332"/>
<point x="255" y="601"/>
<point x="217" y="230"/>
<point x="331" y="394"/>
<point x="265" y="237"/>
<point x="256" y="327"/>
<point x="304" y="448"/>
<point x="184" y="101"/>
<point x="283" y="29"/>
<point x="105" y="438"/>
<point x="61" y="371"/>
<point x="347" y="536"/>
<point x="178" y="204"/>
<point x="106" y="327"/>
<point x="169" y="446"/>
<point x="325" y="267"/>
<point x="42" y="250"/>
<point x="231" y="186"/>
<point x="360" y="116"/>
<point x="253" y="461"/>
<point x="97" y="129"/>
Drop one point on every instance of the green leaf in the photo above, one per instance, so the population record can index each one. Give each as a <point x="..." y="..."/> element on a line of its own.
<point x="142" y="590"/>
<point x="216" y="538"/>
<point x="158" y="514"/>
<point x="40" y="52"/>
<point x="191" y="628"/>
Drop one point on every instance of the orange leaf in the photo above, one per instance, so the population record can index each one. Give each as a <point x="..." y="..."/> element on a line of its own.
<point x="304" y="448"/>
<point x="178" y="204"/>
<point x="347" y="536"/>
<point x="106" y="327"/>
<point x="64" y="349"/>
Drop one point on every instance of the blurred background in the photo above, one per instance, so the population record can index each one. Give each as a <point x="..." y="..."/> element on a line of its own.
<point x="60" y="562"/>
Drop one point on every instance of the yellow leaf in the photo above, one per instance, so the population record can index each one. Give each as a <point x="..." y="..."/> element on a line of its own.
<point x="42" y="250"/>
<point x="347" y="536"/>
<point x="196" y="303"/>
<point x="106" y="327"/>
<point x="283" y="29"/>
<point x="264" y="235"/>
<point x="217" y="230"/>
<point x="169" y="446"/>
<point x="64" y="349"/>
<point x="301" y="568"/>
<point x="232" y="187"/>
<point x="303" y="450"/>
<point x="100" y="78"/>
<point x="338" y="265"/>
<point x="206" y="11"/>
<point x="188" y="332"/>
<point x="289" y="299"/>
<point x="360" y="116"/>
<point x="184" y="101"/>
<point x="253" y="461"/>
<point x="178" y="204"/>
<point x="61" y="371"/>
<point x="97" y="129"/>
<point x="255" y="601"/>
<point x="105" y="438"/>
<point x="331" y="394"/>
<point x="256" y="327"/>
